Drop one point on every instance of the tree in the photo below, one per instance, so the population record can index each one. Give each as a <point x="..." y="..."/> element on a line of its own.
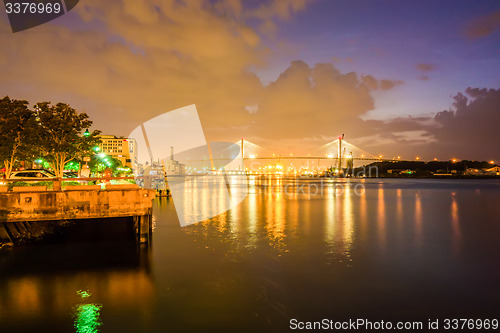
<point x="17" y="125"/>
<point x="60" y="133"/>
<point x="98" y="163"/>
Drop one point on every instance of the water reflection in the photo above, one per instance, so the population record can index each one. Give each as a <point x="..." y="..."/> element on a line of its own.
<point x="351" y="211"/>
<point x="381" y="220"/>
<point x="42" y="289"/>
<point x="285" y="252"/>
<point x="87" y="315"/>
<point x="418" y="219"/>
<point x="348" y="222"/>
<point x="275" y="220"/>
<point x="330" y="217"/>
<point x="455" y="223"/>
<point x="399" y="206"/>
<point x="363" y="217"/>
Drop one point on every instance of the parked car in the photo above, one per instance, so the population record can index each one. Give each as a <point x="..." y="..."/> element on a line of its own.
<point x="32" y="174"/>
<point x="70" y="174"/>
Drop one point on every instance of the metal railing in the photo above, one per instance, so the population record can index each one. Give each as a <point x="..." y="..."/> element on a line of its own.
<point x="57" y="182"/>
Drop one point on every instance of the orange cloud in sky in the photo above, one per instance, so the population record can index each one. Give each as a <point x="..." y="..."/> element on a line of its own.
<point x="129" y="61"/>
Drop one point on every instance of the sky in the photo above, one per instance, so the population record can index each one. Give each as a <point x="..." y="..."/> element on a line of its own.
<point x="398" y="78"/>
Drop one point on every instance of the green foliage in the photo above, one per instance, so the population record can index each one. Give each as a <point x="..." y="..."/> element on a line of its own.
<point x="51" y="132"/>
<point x="17" y="125"/>
<point x="73" y="165"/>
<point x="98" y="164"/>
<point x="71" y="183"/>
<point x="10" y="185"/>
<point x="59" y="133"/>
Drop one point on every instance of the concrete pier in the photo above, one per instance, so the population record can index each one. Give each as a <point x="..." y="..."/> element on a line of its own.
<point x="144" y="229"/>
<point x="27" y="213"/>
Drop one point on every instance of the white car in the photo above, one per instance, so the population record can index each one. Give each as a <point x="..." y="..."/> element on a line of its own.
<point x="32" y="174"/>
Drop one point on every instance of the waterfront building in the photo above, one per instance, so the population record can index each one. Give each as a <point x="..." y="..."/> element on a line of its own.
<point x="116" y="147"/>
<point x="171" y="166"/>
<point x="132" y="149"/>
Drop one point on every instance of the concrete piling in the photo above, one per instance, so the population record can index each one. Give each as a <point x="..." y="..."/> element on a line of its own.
<point x="144" y="229"/>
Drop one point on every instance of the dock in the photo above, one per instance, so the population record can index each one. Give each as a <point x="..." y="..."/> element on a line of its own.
<point x="31" y="211"/>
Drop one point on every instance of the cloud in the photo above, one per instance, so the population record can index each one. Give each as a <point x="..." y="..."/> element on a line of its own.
<point x="374" y="84"/>
<point x="278" y="8"/>
<point x="468" y="130"/>
<point x="130" y="61"/>
<point x="483" y="26"/>
<point x="425" y="67"/>
<point x="470" y="127"/>
<point x="269" y="11"/>
<point x="310" y="101"/>
<point x="134" y="60"/>
<point x="370" y="82"/>
<point x="389" y="84"/>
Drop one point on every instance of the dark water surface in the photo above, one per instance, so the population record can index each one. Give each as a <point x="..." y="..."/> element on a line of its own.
<point x="398" y="250"/>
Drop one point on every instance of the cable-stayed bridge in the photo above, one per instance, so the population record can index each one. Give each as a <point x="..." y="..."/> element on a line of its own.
<point x="339" y="149"/>
<point x="338" y="154"/>
<point x="246" y="156"/>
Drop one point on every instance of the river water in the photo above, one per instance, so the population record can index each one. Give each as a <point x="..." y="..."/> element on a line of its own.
<point x="384" y="249"/>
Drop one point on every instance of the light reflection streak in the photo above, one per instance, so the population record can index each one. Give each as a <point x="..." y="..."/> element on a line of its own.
<point x="399" y="212"/>
<point x="418" y="219"/>
<point x="275" y="217"/>
<point x="348" y="221"/>
<point x="330" y="218"/>
<point x="455" y="224"/>
<point x="381" y="217"/>
<point x="362" y="216"/>
<point x="399" y="206"/>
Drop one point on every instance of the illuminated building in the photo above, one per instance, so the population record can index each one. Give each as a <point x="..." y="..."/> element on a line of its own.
<point x="132" y="149"/>
<point x="116" y="147"/>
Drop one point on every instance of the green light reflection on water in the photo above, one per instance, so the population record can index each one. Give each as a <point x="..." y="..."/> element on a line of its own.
<point x="87" y="316"/>
<point x="84" y="293"/>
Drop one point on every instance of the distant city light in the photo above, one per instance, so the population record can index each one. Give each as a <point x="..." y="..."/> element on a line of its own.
<point x="330" y="155"/>
<point x="454" y="160"/>
<point x="492" y="162"/>
<point x="417" y="158"/>
<point x="102" y="155"/>
<point x="252" y="156"/>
